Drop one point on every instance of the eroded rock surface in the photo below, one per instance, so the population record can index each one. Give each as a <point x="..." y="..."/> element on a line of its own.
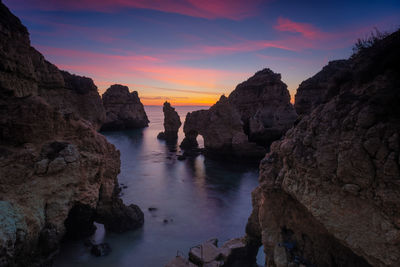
<point x="172" y="123"/>
<point x="263" y="103"/>
<point x="222" y="130"/>
<point x="243" y="125"/>
<point x="123" y="109"/>
<point x="57" y="174"/>
<point x="329" y="192"/>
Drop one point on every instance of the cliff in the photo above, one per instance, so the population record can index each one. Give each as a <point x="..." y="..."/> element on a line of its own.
<point x="329" y="192"/>
<point x="57" y="174"/>
<point x="123" y="109"/>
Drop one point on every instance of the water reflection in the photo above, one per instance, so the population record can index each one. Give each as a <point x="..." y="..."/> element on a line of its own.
<point x="199" y="197"/>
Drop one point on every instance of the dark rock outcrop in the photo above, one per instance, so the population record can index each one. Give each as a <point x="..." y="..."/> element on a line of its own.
<point x="263" y="103"/>
<point x="256" y="113"/>
<point x="233" y="253"/>
<point x="222" y="130"/>
<point x="320" y="88"/>
<point x="329" y="192"/>
<point x="56" y="171"/>
<point x="172" y="123"/>
<point x="25" y="72"/>
<point x="123" y="109"/>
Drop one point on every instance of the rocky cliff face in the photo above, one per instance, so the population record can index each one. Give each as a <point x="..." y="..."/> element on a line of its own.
<point x="172" y="123"/>
<point x="57" y="174"/>
<point x="222" y="130"/>
<point x="25" y="72"/>
<point x="329" y="192"/>
<point x="263" y="103"/>
<point x="123" y="109"/>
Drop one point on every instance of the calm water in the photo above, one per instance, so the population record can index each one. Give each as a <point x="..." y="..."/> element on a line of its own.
<point x="200" y="197"/>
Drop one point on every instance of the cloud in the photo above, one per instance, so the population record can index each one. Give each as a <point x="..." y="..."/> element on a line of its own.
<point x="208" y="9"/>
<point x="305" y="29"/>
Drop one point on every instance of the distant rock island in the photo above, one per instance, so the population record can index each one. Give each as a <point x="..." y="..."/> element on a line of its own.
<point x="123" y="109"/>
<point x="57" y="174"/>
<point x="256" y="113"/>
<point x="172" y="123"/>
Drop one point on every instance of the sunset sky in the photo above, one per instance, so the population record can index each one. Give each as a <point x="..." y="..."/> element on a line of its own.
<point x="192" y="51"/>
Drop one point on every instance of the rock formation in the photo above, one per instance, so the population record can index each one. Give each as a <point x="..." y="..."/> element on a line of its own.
<point x="234" y="252"/>
<point x="329" y="192"/>
<point x="263" y="103"/>
<point x="256" y="113"/>
<point x="222" y="130"/>
<point x="172" y="123"/>
<point x="321" y="87"/>
<point x="123" y="109"/>
<point x="57" y="174"/>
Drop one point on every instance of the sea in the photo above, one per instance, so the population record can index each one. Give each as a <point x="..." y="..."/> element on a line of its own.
<point x="195" y="199"/>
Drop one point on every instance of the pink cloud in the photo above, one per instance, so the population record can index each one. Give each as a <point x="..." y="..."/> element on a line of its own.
<point x="305" y="29"/>
<point x="209" y="9"/>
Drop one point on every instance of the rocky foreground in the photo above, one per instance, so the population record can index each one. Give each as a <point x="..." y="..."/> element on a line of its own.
<point x="57" y="174"/>
<point x="329" y="192"/>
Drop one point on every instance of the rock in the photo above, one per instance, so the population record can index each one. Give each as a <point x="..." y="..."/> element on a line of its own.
<point x="57" y="174"/>
<point x="172" y="123"/>
<point x="152" y="209"/>
<point x="234" y="252"/>
<point x="100" y="250"/>
<point x="337" y="195"/>
<point x="123" y="109"/>
<point x="180" y="261"/>
<point x="241" y="126"/>
<point x="181" y="157"/>
<point x="263" y="103"/>
<point x="321" y="87"/>
<point x="222" y="130"/>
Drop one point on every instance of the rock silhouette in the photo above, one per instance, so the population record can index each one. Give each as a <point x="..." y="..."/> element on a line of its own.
<point x="123" y="109"/>
<point x="172" y="123"/>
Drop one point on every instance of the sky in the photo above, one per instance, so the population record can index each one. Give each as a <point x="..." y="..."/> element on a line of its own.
<point x="189" y="52"/>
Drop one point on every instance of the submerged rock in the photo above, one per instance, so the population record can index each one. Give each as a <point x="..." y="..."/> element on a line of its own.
<point x="172" y="123"/>
<point x="100" y="250"/>
<point x="57" y="174"/>
<point x="329" y="192"/>
<point x="123" y="109"/>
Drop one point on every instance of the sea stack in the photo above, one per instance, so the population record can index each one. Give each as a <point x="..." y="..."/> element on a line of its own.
<point x="123" y="109"/>
<point x="329" y="192"/>
<point x="243" y="125"/>
<point x="222" y="130"/>
<point x="57" y="174"/>
<point x="263" y="103"/>
<point x="172" y="123"/>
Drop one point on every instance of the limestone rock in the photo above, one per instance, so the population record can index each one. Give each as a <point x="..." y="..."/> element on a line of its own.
<point x="243" y="125"/>
<point x="263" y="103"/>
<point x="123" y="109"/>
<point x="57" y="174"/>
<point x="329" y="191"/>
<point x="172" y="123"/>
<point x="222" y="130"/>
